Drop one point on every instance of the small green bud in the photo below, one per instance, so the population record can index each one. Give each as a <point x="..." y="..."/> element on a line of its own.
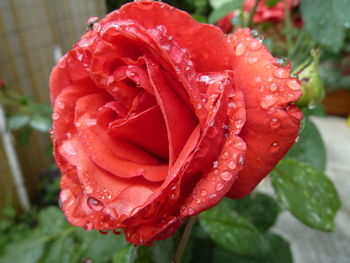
<point x="312" y="85"/>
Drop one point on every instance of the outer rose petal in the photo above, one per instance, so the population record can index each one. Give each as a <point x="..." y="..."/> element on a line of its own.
<point x="208" y="49"/>
<point x="272" y="123"/>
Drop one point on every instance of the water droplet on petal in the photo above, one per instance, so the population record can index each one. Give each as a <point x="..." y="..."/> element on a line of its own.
<point x="190" y="210"/>
<point x="225" y="155"/>
<point x="258" y="79"/>
<point x="275" y="123"/>
<point x="268" y="101"/>
<point x="94" y="204"/>
<point x="293" y="84"/>
<point x="270" y="79"/>
<point x="281" y="73"/>
<point x="198" y="201"/>
<point x="273" y="87"/>
<point x="262" y="88"/>
<point x="274" y="147"/>
<point x="252" y="60"/>
<point x="88" y="189"/>
<point x="204" y="193"/>
<point x="240" y="49"/>
<point x="219" y="186"/>
<point x="226" y="176"/>
<point x="215" y="164"/>
<point x="239" y="123"/>
<point x="254" y="45"/>
<point x="231" y="165"/>
<point x="55" y="116"/>
<point x="60" y="105"/>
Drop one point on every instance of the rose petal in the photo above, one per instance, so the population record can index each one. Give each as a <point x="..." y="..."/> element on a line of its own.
<point x="272" y="123"/>
<point x="208" y="49"/>
<point x="110" y="153"/>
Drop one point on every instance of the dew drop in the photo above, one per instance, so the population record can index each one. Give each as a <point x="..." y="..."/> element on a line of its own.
<point x="55" y="116"/>
<point x="275" y="123"/>
<point x="90" y="122"/>
<point x="231" y="165"/>
<point x="252" y="60"/>
<point x="219" y="187"/>
<point x="298" y="139"/>
<point x="215" y="164"/>
<point x="262" y="88"/>
<point x="204" y="193"/>
<point x="60" y="105"/>
<point x="88" y="189"/>
<point x="239" y="123"/>
<point x="190" y="210"/>
<point x="258" y="79"/>
<point x="273" y="87"/>
<point x="274" y="147"/>
<point x="281" y="73"/>
<point x="94" y="204"/>
<point x="78" y="124"/>
<point x="225" y="155"/>
<point x="268" y="101"/>
<point x="198" y="201"/>
<point x="293" y="84"/>
<point x="240" y="49"/>
<point x="254" y="45"/>
<point x="270" y="79"/>
<point x="226" y="176"/>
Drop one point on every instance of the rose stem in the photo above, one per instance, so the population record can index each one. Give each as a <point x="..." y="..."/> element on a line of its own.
<point x="252" y="13"/>
<point x="185" y="236"/>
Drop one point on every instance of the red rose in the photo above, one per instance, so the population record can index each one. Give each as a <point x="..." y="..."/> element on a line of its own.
<point x="157" y="117"/>
<point x="225" y="23"/>
<point x="264" y="13"/>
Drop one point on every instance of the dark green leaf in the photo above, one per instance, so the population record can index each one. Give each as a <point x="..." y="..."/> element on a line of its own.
<point x="230" y="230"/>
<point x="272" y="3"/>
<point x="51" y="220"/>
<point x="27" y="250"/>
<point x="40" y="123"/>
<point x="98" y="247"/>
<point x="123" y="255"/>
<point x="161" y="251"/>
<point x="223" y="10"/>
<point x="342" y="11"/>
<point x="277" y="249"/>
<point x="60" y="250"/>
<point x="260" y="209"/>
<point x="311" y="149"/>
<point x="17" y="121"/>
<point x="326" y="25"/>
<point x="307" y="193"/>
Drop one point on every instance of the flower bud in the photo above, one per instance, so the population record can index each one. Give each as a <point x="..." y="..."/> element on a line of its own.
<point x="312" y="85"/>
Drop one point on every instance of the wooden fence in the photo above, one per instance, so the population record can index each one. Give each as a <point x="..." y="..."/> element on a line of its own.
<point x="31" y="31"/>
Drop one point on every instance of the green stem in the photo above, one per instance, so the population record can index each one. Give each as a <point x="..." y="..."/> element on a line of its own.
<point x="184" y="239"/>
<point x="252" y="13"/>
<point x="288" y="27"/>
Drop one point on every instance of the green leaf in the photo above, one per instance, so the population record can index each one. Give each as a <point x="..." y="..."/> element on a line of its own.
<point x="217" y="3"/>
<point x="40" y="123"/>
<point x="98" y="247"/>
<point x="223" y="10"/>
<point x="17" y="121"/>
<point x="272" y="3"/>
<point x="28" y="250"/>
<point x="307" y="193"/>
<point x="51" y="220"/>
<point x="277" y="249"/>
<point x="342" y="10"/>
<point x="231" y="231"/>
<point x="60" y="250"/>
<point x="123" y="255"/>
<point x="311" y="149"/>
<point x="325" y="20"/>
<point x="161" y="251"/>
<point x="260" y="209"/>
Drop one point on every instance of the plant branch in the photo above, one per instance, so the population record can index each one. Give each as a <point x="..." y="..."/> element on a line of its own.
<point x="184" y="239"/>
